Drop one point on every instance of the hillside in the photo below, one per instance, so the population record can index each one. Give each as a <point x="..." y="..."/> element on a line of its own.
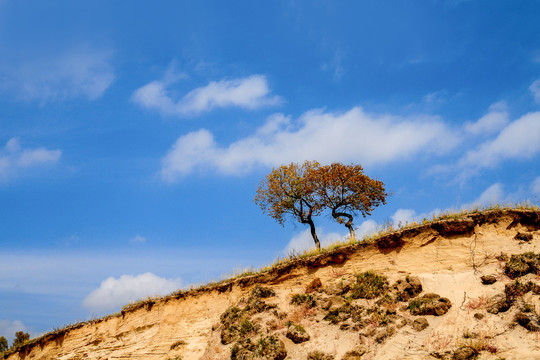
<point x="459" y="288"/>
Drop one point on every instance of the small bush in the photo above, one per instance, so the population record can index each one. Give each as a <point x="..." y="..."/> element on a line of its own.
<point x="319" y="355"/>
<point x="3" y="344"/>
<point x="230" y="316"/>
<point x="270" y="348"/>
<point x="369" y="285"/>
<point x="522" y="264"/>
<point x="299" y="299"/>
<point x="246" y="327"/>
<point x="20" y="338"/>
<point x="262" y="292"/>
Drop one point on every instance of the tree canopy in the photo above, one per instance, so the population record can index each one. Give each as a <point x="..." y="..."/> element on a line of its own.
<point x="306" y="190"/>
<point x="346" y="191"/>
<point x="288" y="190"/>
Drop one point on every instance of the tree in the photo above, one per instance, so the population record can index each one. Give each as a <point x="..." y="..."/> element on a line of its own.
<point x="20" y="338"/>
<point x="288" y="190"/>
<point x="347" y="191"/>
<point x="3" y="344"/>
<point x="304" y="191"/>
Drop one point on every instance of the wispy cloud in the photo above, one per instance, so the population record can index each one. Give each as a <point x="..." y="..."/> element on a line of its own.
<point x="335" y="65"/>
<point x="327" y="137"/>
<point x="496" y="119"/>
<point x="518" y="140"/>
<point x="14" y="159"/>
<point x="78" y="73"/>
<point x="250" y="93"/>
<point x="113" y="293"/>
<point x="137" y="239"/>
<point x="535" y="90"/>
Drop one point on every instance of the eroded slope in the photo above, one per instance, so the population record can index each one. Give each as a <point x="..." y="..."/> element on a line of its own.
<point x="413" y="294"/>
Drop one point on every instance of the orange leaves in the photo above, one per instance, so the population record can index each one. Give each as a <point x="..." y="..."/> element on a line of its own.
<point x="286" y="190"/>
<point x="306" y="190"/>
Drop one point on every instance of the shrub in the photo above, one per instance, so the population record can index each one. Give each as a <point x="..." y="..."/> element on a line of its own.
<point x="299" y="299"/>
<point x="230" y="316"/>
<point x="246" y="327"/>
<point x="20" y="338"/>
<point x="3" y="344"/>
<point x="522" y="264"/>
<point x="369" y="285"/>
<point x="262" y="292"/>
<point x="319" y="355"/>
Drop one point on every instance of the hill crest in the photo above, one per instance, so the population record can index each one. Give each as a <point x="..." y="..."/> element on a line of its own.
<point x="448" y="257"/>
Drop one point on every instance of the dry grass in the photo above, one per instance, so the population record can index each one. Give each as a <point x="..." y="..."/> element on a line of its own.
<point x="439" y="342"/>
<point x="301" y="313"/>
<point x="480" y="302"/>
<point x="336" y="273"/>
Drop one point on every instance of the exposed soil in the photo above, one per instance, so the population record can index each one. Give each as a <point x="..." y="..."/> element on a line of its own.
<point x="455" y="289"/>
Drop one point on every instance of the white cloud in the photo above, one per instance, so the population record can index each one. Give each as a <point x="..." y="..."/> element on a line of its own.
<point x="535" y="90"/>
<point x="403" y="216"/>
<point x="367" y="227"/>
<point x="353" y="136"/>
<point x="113" y="293"/>
<point x="137" y="239"/>
<point x="14" y="159"/>
<point x="250" y="93"/>
<point x="490" y="196"/>
<point x="9" y="328"/>
<point x="81" y="72"/>
<point x="493" y="121"/>
<point x="535" y="186"/>
<point x="518" y="140"/>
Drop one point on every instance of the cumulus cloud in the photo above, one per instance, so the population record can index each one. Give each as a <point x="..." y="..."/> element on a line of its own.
<point x="403" y="216"/>
<point x="250" y="93"/>
<point x="81" y="72"/>
<point x="518" y="140"/>
<point x="535" y="90"/>
<point x="9" y="328"/>
<point x="493" y="121"/>
<point x="14" y="159"/>
<point x="367" y="227"/>
<point x="327" y="137"/>
<point x="114" y="293"/>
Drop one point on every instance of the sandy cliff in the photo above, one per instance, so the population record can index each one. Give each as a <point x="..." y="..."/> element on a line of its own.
<point x="318" y="308"/>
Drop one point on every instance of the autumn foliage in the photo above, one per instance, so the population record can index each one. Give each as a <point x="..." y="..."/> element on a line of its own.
<point x="306" y="190"/>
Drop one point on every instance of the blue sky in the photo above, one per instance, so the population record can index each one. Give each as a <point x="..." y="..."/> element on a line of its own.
<point x="133" y="136"/>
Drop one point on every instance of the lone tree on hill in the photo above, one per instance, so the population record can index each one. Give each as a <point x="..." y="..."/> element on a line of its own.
<point x="347" y="191"/>
<point x="288" y="190"/>
<point x="304" y="191"/>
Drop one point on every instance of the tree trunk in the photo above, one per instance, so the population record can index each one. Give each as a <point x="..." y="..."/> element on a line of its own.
<point x="348" y="224"/>
<point x="314" y="233"/>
